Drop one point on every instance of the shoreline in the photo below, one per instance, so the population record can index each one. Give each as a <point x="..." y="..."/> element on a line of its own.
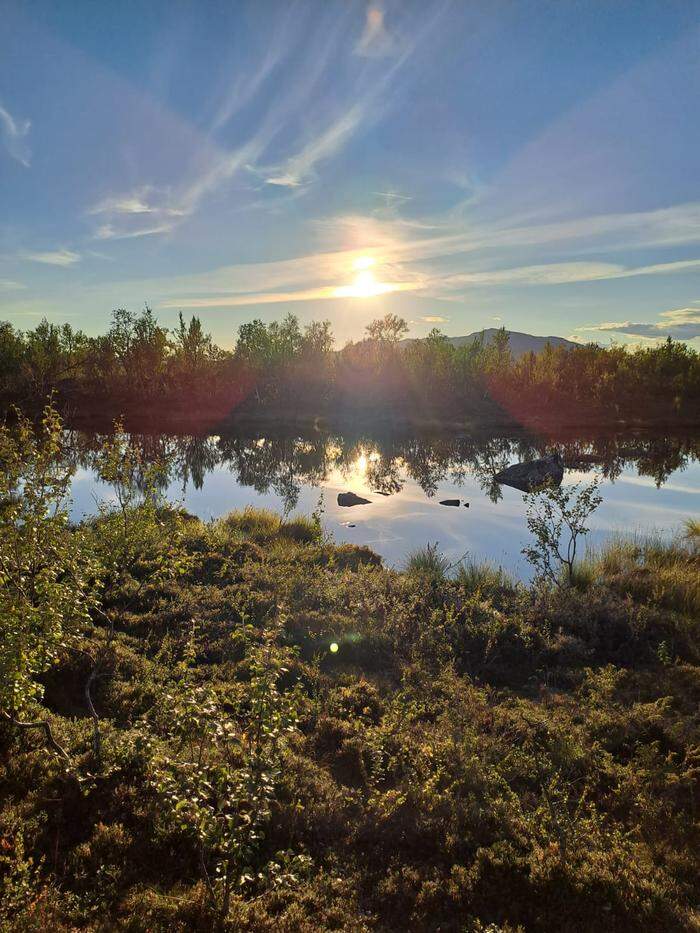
<point x="204" y="422"/>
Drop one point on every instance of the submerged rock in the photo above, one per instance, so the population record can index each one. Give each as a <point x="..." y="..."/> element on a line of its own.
<point x="532" y="475"/>
<point x="350" y="498"/>
<point x="449" y="502"/>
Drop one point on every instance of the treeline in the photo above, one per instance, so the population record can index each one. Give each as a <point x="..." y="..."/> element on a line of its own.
<point x="283" y="368"/>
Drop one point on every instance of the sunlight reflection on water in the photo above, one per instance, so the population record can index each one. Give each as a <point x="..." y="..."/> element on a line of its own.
<point x="298" y="471"/>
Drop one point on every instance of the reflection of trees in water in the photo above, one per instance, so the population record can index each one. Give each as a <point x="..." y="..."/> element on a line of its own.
<point x="283" y="464"/>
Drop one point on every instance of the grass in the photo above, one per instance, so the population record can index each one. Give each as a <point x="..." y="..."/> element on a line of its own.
<point x="427" y="564"/>
<point x="483" y="577"/>
<point x="648" y="568"/>
<point x="692" y="533"/>
<point x="264" y="525"/>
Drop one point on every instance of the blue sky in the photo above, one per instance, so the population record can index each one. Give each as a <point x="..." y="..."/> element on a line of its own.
<point x="464" y="164"/>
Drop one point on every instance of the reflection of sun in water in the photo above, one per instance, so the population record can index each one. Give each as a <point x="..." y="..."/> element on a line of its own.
<point x="360" y="464"/>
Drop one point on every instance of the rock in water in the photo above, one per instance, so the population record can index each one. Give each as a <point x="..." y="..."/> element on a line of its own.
<point x="529" y="476"/>
<point x="449" y="502"/>
<point x="350" y="498"/>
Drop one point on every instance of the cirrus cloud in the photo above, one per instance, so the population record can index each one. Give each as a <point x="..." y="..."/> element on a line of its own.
<point x="54" y="257"/>
<point x="13" y="133"/>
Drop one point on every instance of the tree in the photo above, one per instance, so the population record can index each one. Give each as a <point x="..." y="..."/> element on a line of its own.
<point x="388" y="329"/>
<point x="557" y="516"/>
<point x="140" y="348"/>
<point x="48" y="579"/>
<point x="194" y="356"/>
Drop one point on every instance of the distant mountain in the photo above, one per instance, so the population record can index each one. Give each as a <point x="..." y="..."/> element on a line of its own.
<point x="519" y="343"/>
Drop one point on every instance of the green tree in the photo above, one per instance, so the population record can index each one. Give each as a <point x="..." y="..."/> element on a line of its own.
<point x="48" y="579"/>
<point x="556" y="517"/>
<point x="388" y="329"/>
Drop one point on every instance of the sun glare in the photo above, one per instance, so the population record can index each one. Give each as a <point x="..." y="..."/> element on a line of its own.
<point x="365" y="283"/>
<point x="364" y="262"/>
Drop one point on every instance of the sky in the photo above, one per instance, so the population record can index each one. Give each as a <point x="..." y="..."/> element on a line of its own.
<point x="527" y="164"/>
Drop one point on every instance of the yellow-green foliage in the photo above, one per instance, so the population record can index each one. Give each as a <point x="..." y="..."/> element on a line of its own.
<point x="263" y="525"/>
<point x="666" y="574"/>
<point x="48" y="577"/>
<point x="483" y="577"/>
<point x="427" y="564"/>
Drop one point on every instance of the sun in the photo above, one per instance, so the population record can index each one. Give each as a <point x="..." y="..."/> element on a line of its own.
<point x="364" y="283"/>
<point x="364" y="262"/>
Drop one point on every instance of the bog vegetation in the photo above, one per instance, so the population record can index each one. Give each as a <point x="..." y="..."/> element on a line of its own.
<point x="181" y="749"/>
<point x="283" y="368"/>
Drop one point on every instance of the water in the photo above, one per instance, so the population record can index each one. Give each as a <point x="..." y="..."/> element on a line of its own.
<point x="649" y="483"/>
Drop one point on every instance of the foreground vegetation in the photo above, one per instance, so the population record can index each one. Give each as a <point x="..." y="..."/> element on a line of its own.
<point x="239" y="725"/>
<point x="282" y="370"/>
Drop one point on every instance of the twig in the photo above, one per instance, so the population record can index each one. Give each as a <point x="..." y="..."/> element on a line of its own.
<point x="40" y="724"/>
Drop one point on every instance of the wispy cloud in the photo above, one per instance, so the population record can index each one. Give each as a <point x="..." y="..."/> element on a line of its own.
<point x="144" y="200"/>
<point x="561" y="273"/>
<point x="375" y="40"/>
<point x="323" y="293"/>
<point x="142" y="212"/>
<point x="111" y="232"/>
<point x="56" y="257"/>
<point x="358" y="112"/>
<point x="287" y="136"/>
<point x="445" y="237"/>
<point x="433" y="319"/>
<point x="680" y="323"/>
<point x="9" y="285"/>
<point x="425" y="259"/>
<point x="299" y="168"/>
<point x="14" y="134"/>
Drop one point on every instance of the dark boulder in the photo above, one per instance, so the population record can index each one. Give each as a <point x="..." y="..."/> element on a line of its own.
<point x="350" y="498"/>
<point x="533" y="475"/>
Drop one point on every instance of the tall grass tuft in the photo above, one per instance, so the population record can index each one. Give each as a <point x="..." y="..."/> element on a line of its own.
<point x="427" y="564"/>
<point x="263" y="525"/>
<point x="483" y="577"/>
<point x="252" y="523"/>
<point x="666" y="573"/>
<point x="301" y="528"/>
<point x="691" y="534"/>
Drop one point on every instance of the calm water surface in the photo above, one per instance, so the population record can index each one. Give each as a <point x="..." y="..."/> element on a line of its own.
<point x="649" y="483"/>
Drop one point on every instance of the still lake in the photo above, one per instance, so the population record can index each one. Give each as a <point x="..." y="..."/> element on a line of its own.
<point x="649" y="483"/>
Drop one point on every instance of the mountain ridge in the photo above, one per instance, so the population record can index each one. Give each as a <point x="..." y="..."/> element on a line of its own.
<point x="519" y="342"/>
